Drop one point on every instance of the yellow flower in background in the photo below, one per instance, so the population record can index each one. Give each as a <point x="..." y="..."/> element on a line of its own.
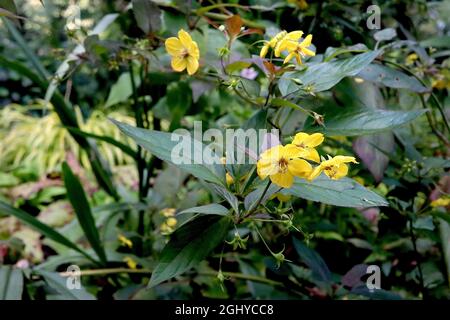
<point x="411" y="58"/>
<point x="281" y="164"/>
<point x="276" y="41"/>
<point x="306" y="143"/>
<point x="168" y="212"/>
<point x="125" y="241"/>
<point x="301" y="4"/>
<point x="291" y="36"/>
<point x="229" y="179"/>
<point x="184" y="52"/>
<point x="130" y="262"/>
<point x="335" y="167"/>
<point x="171" y="222"/>
<point x="169" y="225"/>
<point x="440" y="202"/>
<point x="271" y="43"/>
<point x="296" y="49"/>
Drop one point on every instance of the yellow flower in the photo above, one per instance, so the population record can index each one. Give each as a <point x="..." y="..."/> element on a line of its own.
<point x="229" y="179"/>
<point x="411" y="58"/>
<point x="291" y="36"/>
<point x="281" y="164"/>
<point x="169" y="225"/>
<point x="271" y="43"/>
<point x="275" y="42"/>
<point x="184" y="52"/>
<point x="171" y="222"/>
<point x="440" y="202"/>
<point x="168" y="212"/>
<point x="296" y="49"/>
<point x="302" y="4"/>
<point x="130" y="262"/>
<point x="125" y="241"/>
<point x="335" y="167"/>
<point x="306" y="143"/>
<point x="440" y="83"/>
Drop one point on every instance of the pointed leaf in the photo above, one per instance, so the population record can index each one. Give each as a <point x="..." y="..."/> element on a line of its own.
<point x="59" y="284"/>
<point x="323" y="76"/>
<point x="314" y="261"/>
<point x="362" y="122"/>
<point x="344" y="192"/>
<point x="80" y="204"/>
<point x="189" y="245"/>
<point x="212" y="208"/>
<point x="162" y="144"/>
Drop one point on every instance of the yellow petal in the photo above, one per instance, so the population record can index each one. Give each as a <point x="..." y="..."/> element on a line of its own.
<point x="229" y="179"/>
<point x="264" y="50"/>
<point x="289" y="57"/>
<point x="307" y="41"/>
<point x="266" y="168"/>
<point x="174" y="46"/>
<point x="315" y="173"/>
<point x="273" y="153"/>
<point x="291" y="151"/>
<point x="343" y="159"/>
<point x="341" y="172"/>
<point x="179" y="63"/>
<point x="308" y="52"/>
<point x="185" y="38"/>
<point x="192" y="65"/>
<point x="294" y="35"/>
<point x="284" y="180"/>
<point x="300" y="168"/>
<point x="194" y="51"/>
<point x="311" y="154"/>
<point x="302" y="139"/>
<point x="297" y="57"/>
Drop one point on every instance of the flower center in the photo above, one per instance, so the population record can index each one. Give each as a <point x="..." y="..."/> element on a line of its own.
<point x="185" y="53"/>
<point x="282" y="165"/>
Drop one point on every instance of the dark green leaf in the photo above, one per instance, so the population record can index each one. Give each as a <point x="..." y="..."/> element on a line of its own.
<point x="362" y="122"/>
<point x="212" y="208"/>
<point x="391" y="78"/>
<point x="162" y="144"/>
<point x="189" y="245"/>
<point x="59" y="284"/>
<point x="322" y="76"/>
<point x="344" y="192"/>
<point x="228" y="196"/>
<point x="314" y="261"/>
<point x="80" y="204"/>
<point x="147" y="14"/>
<point x="125" y="149"/>
<point x="122" y="89"/>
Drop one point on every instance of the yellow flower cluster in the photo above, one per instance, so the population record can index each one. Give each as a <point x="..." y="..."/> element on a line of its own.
<point x="170" y="223"/>
<point x="184" y="51"/>
<point x="289" y="42"/>
<point x="283" y="163"/>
